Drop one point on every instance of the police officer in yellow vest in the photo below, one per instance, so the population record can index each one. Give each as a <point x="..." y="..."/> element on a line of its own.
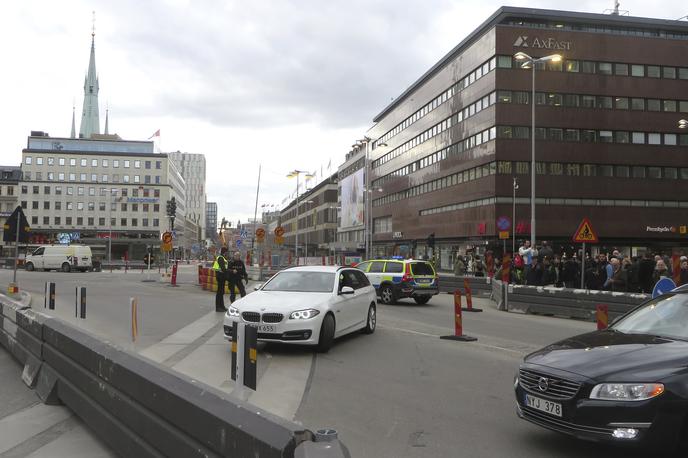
<point x="220" y="268"/>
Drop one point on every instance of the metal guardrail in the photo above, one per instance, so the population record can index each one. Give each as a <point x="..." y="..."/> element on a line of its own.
<point x="140" y="408"/>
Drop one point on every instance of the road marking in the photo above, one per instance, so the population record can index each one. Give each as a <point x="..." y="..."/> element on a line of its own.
<point x="25" y="424"/>
<point x="425" y="334"/>
<point x="168" y="347"/>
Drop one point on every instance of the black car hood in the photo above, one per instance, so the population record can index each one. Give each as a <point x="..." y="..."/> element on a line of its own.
<point x="614" y="356"/>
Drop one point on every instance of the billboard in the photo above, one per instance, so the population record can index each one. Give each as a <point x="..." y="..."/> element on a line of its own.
<point x="352" y="199"/>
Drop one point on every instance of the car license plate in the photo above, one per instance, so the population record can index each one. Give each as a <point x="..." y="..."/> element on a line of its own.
<point x="543" y="405"/>
<point x="424" y="280"/>
<point x="263" y="327"/>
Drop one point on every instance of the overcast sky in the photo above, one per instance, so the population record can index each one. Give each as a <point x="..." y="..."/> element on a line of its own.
<point x="286" y="83"/>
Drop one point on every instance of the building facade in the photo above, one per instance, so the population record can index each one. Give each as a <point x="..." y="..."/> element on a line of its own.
<point x="192" y="169"/>
<point x="9" y="191"/>
<point x="447" y="151"/>
<point x="95" y="190"/>
<point x="211" y="226"/>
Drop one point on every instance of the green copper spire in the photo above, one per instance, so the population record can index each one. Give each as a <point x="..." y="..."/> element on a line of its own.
<point x="90" y="120"/>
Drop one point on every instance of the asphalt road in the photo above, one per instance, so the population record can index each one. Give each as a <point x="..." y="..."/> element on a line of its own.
<point x="403" y="392"/>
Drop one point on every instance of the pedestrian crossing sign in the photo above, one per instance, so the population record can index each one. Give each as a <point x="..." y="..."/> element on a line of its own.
<point x="585" y="233"/>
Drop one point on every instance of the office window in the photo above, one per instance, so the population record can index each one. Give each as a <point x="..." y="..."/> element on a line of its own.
<point x="51" y="161"/>
<point x="124" y="207"/>
<point x="70" y="206"/>
<point x="24" y="204"/>
<point x="91" y="206"/>
<point x="39" y="176"/>
<point x="653" y="71"/>
<point x="36" y="189"/>
<point x="158" y="165"/>
<point x="157" y="179"/>
<point x="91" y="191"/>
<point x="556" y="134"/>
<point x="146" y="207"/>
<point x="27" y="176"/>
<point x="654" y="172"/>
<point x="654" y="105"/>
<point x="621" y="69"/>
<point x="58" y="190"/>
<point x="621" y="171"/>
<point x="80" y="191"/>
<point x="587" y="66"/>
<point x="555" y="100"/>
<point x="683" y="73"/>
<point x="134" y="222"/>
<point x="72" y="177"/>
<point x="144" y="222"/>
<point x="504" y="61"/>
<point x="51" y="176"/>
<point x="101" y="222"/>
<point x="79" y="220"/>
<point x="605" y="136"/>
<point x="604" y="102"/>
<point x="115" y="163"/>
<point x="638" y="70"/>
<point x="58" y="205"/>
<point x="58" y="221"/>
<point x="556" y="168"/>
<point x="84" y="162"/>
<point x="572" y="66"/>
<point x="104" y="163"/>
<point x="94" y="177"/>
<point x="94" y="162"/>
<point x="60" y="176"/>
<point x="70" y="191"/>
<point x="148" y="165"/>
<point x="669" y="72"/>
<point x="123" y="222"/>
<point x="504" y="96"/>
<point x="82" y="177"/>
<point x="637" y="104"/>
<point x="101" y="206"/>
<point x="39" y="161"/>
<point x="46" y="189"/>
<point x="125" y="178"/>
<point x="113" y="206"/>
<point x="34" y="220"/>
<point x="156" y="193"/>
<point x="670" y="139"/>
<point x="669" y="105"/>
<point x="605" y="68"/>
<point x="638" y="172"/>
<point x="124" y="192"/>
<point x="79" y="205"/>
<point x="588" y="101"/>
<point x="571" y="100"/>
<point x="61" y="161"/>
<point x="134" y="207"/>
<point x="571" y="135"/>
<point x="622" y="137"/>
<point x="72" y="162"/>
<point x="654" y="139"/>
<point x="104" y="179"/>
<point x="91" y="221"/>
<point x="638" y="138"/>
<point x="683" y="139"/>
<point x="671" y="173"/>
<point x="46" y="205"/>
<point x="27" y="160"/>
<point x="68" y="220"/>
<point x="147" y="179"/>
<point x="126" y="164"/>
<point x="588" y="136"/>
<point x="137" y="164"/>
<point x="156" y="222"/>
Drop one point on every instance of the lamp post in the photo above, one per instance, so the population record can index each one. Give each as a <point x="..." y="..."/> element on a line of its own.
<point x="367" y="204"/>
<point x="682" y="123"/>
<point x="308" y="224"/>
<point x="513" y="219"/>
<point x="292" y="174"/>
<point x="530" y="62"/>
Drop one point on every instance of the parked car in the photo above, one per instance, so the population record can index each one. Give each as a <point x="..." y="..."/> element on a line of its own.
<point x="394" y="279"/>
<point x="625" y="384"/>
<point x="308" y="306"/>
<point x="60" y="257"/>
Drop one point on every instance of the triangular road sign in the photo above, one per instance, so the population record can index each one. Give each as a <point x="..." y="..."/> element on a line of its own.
<point x="585" y="233"/>
<point x="10" y="227"/>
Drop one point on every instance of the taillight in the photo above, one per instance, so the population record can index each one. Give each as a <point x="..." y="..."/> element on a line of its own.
<point x="407" y="273"/>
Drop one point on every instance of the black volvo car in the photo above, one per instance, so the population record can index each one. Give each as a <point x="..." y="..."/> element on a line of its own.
<point x="626" y="384"/>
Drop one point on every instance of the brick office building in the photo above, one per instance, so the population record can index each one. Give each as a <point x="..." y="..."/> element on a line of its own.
<point x="608" y="146"/>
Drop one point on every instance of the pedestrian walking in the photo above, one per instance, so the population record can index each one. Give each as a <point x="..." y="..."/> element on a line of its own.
<point x="220" y="268"/>
<point x="236" y="272"/>
<point x="459" y="266"/>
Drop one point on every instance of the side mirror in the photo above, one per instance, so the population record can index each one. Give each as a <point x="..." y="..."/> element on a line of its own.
<point x="258" y="286"/>
<point x="346" y="290"/>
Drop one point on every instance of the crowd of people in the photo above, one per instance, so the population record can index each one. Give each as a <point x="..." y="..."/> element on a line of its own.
<point x="613" y="271"/>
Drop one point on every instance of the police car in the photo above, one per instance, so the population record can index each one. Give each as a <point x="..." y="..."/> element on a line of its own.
<point x="398" y="278"/>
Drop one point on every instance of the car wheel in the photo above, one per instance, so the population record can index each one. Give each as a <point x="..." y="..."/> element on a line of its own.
<point x="420" y="300"/>
<point x="371" y="322"/>
<point x="387" y="295"/>
<point x="30" y="267"/>
<point x="66" y="267"/>
<point x="326" y="334"/>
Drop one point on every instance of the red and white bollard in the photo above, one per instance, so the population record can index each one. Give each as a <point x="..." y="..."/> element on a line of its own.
<point x="174" y="274"/>
<point x="469" y="297"/>
<point x="458" y="322"/>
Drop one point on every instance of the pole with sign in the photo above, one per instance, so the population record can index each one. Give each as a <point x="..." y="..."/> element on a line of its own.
<point x="584" y="234"/>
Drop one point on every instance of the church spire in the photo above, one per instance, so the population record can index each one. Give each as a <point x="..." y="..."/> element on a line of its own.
<point x="73" y="135"/>
<point x="90" y="121"/>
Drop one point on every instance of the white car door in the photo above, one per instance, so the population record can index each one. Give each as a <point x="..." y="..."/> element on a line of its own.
<point x="346" y="311"/>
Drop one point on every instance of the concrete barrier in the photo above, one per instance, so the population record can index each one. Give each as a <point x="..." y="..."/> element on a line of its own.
<point x="140" y="408"/>
<point x="481" y="286"/>
<point x="566" y="302"/>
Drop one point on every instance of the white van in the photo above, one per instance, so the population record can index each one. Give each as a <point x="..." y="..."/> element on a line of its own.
<point x="60" y="257"/>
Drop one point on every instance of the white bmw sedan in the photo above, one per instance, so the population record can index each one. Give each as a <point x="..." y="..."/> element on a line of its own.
<point x="308" y="306"/>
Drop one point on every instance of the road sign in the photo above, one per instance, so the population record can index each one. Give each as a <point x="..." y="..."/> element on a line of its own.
<point x="238" y="243"/>
<point x="664" y="285"/>
<point x="279" y="231"/>
<point x="10" y="227"/>
<point x="585" y="233"/>
<point x="504" y="223"/>
<point x="166" y="241"/>
<point x="260" y="234"/>
<point x="503" y="235"/>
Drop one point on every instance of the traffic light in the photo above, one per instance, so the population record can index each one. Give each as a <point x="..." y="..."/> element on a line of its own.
<point x="171" y="207"/>
<point x="431" y="240"/>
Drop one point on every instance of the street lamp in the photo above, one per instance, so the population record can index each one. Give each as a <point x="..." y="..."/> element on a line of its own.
<point x="292" y="174"/>
<point x="513" y="219"/>
<point x="530" y="62"/>
<point x="682" y="123"/>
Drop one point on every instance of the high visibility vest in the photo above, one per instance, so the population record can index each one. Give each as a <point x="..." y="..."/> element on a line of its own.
<point x="216" y="264"/>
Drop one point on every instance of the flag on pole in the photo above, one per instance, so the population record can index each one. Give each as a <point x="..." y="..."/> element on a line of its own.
<point x="156" y="134"/>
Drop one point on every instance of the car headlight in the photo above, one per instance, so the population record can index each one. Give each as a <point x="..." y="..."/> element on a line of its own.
<point x="303" y="314"/>
<point x="626" y="391"/>
<point x="232" y="311"/>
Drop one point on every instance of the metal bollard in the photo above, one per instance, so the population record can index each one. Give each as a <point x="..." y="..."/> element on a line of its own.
<point x="83" y="303"/>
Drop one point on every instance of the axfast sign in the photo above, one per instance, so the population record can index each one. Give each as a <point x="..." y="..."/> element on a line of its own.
<point x="542" y="43"/>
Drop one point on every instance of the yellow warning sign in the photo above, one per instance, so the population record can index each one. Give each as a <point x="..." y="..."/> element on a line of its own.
<point x="503" y="235"/>
<point x="585" y="233"/>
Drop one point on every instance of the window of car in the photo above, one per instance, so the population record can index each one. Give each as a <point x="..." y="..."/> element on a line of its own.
<point x="362" y="279"/>
<point x="394" y="267"/>
<point x="422" y="268"/>
<point x="376" y="266"/>
<point x="665" y="316"/>
<point x="39" y="251"/>
<point x="348" y="278"/>
<point x="308" y="282"/>
<point x="363" y="266"/>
